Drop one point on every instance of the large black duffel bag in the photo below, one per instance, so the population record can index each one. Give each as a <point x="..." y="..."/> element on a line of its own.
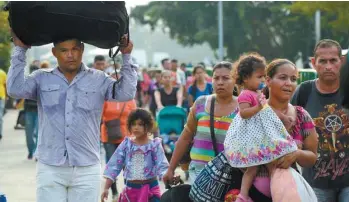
<point x="98" y="23"/>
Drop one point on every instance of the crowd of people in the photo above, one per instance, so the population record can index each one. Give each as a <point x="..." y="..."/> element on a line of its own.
<point x="249" y="114"/>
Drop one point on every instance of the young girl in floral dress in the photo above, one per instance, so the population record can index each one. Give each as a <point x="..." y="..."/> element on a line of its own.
<point x="142" y="160"/>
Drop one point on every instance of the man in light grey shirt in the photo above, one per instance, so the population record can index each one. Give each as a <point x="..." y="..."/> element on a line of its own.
<point x="70" y="99"/>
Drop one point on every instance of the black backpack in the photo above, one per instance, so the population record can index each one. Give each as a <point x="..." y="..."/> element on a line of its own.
<point x="344" y="83"/>
<point x="99" y="23"/>
<point x="304" y="93"/>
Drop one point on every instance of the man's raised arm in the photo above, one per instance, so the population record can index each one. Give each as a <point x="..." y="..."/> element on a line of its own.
<point x="126" y="89"/>
<point x="19" y="86"/>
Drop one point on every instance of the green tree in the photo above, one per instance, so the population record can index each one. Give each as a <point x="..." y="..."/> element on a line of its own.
<point x="334" y="18"/>
<point x="334" y="14"/>
<point x="266" y="27"/>
<point x="274" y="29"/>
<point x="5" y="43"/>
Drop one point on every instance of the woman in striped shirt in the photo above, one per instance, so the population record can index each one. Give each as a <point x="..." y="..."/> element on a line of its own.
<point x="197" y="129"/>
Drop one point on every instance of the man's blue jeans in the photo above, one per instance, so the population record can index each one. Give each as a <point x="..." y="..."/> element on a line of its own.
<point x="2" y="108"/>
<point x="332" y="195"/>
<point x="31" y="130"/>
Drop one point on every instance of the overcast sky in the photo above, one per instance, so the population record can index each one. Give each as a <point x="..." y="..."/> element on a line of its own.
<point x="133" y="3"/>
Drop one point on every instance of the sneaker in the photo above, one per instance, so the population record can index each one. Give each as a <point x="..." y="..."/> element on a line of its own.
<point x="30" y="156"/>
<point x="18" y="127"/>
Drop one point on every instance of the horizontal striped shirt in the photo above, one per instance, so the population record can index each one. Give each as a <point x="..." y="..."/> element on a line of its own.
<point x="202" y="150"/>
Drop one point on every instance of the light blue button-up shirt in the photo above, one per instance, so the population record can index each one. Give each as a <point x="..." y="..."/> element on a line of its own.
<point x="69" y="113"/>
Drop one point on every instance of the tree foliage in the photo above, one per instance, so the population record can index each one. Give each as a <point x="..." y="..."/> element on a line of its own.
<point x="274" y="29"/>
<point x="334" y="18"/>
<point x="335" y="14"/>
<point x="5" y="44"/>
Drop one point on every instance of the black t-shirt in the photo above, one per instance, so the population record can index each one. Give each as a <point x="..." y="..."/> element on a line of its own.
<point x="332" y="125"/>
<point x="168" y="99"/>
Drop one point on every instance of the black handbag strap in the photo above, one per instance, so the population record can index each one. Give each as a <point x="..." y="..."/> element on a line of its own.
<point x="112" y="55"/>
<point x="213" y="137"/>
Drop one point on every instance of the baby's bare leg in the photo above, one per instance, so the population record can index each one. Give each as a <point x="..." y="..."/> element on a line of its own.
<point x="247" y="180"/>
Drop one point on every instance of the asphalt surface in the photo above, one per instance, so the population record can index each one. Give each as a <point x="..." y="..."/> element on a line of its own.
<point x="17" y="173"/>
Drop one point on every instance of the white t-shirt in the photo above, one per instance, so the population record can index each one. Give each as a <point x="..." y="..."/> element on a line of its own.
<point x="181" y="77"/>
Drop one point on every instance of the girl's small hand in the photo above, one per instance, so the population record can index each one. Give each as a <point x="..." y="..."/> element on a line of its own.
<point x="288" y="121"/>
<point x="287" y="160"/>
<point x="104" y="196"/>
<point x="261" y="99"/>
<point x="292" y="120"/>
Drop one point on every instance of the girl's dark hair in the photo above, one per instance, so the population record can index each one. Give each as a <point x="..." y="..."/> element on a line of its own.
<point x="194" y="86"/>
<point x="247" y="64"/>
<point x="344" y="83"/>
<point x="143" y="115"/>
<point x="272" y="69"/>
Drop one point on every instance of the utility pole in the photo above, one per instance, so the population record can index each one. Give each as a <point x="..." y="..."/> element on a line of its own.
<point x="317" y="26"/>
<point x="220" y="31"/>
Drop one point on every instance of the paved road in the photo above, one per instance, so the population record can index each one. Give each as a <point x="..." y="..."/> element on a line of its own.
<point x="17" y="174"/>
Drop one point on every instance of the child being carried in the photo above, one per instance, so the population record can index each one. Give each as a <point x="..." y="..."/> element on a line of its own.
<point x="258" y="134"/>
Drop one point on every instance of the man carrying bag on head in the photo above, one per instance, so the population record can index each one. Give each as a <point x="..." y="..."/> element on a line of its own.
<point x="70" y="101"/>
